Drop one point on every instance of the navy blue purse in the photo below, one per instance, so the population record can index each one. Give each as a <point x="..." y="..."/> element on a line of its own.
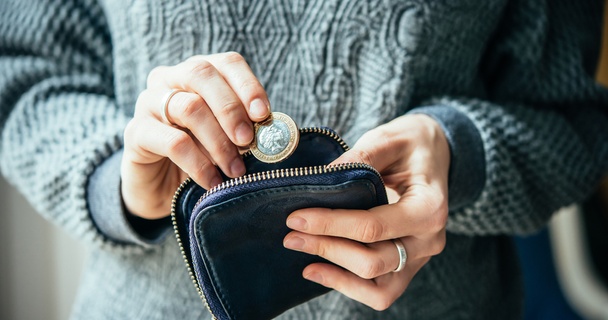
<point x="231" y="236"/>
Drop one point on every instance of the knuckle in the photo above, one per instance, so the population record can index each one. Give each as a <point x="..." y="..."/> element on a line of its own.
<point x="223" y="148"/>
<point x="436" y="207"/>
<point x="438" y="248"/>
<point x="325" y="226"/>
<point x="203" y="170"/>
<point x="197" y="57"/>
<point x="439" y="218"/>
<point x="370" y="230"/>
<point x="201" y="69"/>
<point x="363" y="156"/>
<point x="130" y="131"/>
<point x="250" y="86"/>
<point x="438" y="245"/>
<point x="230" y="107"/>
<point x="154" y="75"/>
<point x="139" y="103"/>
<point x="382" y="302"/>
<point x="232" y="57"/>
<point x="372" y="268"/>
<point x="136" y="133"/>
<point x="318" y="248"/>
<point x="178" y="142"/>
<point x="190" y="105"/>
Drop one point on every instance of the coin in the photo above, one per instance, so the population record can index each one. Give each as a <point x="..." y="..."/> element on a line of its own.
<point x="276" y="138"/>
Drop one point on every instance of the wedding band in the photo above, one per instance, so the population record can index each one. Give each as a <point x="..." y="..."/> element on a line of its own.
<point x="164" y="111"/>
<point x="402" y="255"/>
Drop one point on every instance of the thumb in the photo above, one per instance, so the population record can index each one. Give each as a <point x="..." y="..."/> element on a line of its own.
<point x="372" y="148"/>
<point x="354" y="155"/>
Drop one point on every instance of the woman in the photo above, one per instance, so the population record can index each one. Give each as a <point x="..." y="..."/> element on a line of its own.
<point x="483" y="118"/>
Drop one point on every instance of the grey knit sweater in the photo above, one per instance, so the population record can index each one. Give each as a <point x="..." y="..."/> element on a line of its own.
<point x="511" y="82"/>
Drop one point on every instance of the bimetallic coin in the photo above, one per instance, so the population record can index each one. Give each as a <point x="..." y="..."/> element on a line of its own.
<point x="275" y="138"/>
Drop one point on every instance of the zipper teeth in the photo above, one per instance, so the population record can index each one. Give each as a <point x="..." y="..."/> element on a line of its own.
<point x="280" y="173"/>
<point x="323" y="131"/>
<point x="284" y="173"/>
<point x="181" y="245"/>
<point x="259" y="176"/>
<point x="326" y="132"/>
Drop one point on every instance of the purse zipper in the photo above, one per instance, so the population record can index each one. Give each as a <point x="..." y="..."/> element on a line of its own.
<point x="181" y="245"/>
<point x="284" y="173"/>
<point x="258" y="176"/>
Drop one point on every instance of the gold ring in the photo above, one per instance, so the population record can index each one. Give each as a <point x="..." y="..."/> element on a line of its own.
<point x="402" y="255"/>
<point x="164" y="111"/>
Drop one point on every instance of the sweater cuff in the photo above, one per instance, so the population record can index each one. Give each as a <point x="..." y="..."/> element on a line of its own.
<point x="467" y="174"/>
<point x="109" y="213"/>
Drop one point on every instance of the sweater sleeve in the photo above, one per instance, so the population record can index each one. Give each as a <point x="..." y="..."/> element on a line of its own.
<point x="543" y="126"/>
<point x="59" y="119"/>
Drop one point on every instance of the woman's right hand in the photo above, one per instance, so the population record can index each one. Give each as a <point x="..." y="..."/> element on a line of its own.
<point x="211" y="119"/>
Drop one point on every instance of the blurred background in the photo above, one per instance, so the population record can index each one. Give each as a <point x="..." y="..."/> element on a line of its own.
<point x="39" y="264"/>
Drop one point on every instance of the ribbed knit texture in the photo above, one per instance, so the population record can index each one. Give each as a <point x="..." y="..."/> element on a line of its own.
<point x="521" y="71"/>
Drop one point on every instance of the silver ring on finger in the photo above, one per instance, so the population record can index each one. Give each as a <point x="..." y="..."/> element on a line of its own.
<point x="164" y="111"/>
<point x="402" y="255"/>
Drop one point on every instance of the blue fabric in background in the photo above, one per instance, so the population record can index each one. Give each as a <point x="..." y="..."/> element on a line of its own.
<point x="544" y="298"/>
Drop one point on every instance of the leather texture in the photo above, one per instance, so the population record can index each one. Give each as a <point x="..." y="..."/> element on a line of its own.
<point x="235" y="235"/>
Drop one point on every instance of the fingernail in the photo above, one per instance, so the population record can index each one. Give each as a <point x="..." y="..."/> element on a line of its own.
<point x="244" y="133"/>
<point x="237" y="168"/>
<point x="258" y="109"/>
<point x="295" y="243"/>
<point x="297" y="223"/>
<point x="314" y="277"/>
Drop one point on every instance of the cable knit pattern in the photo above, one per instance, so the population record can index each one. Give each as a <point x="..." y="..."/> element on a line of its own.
<point x="520" y="71"/>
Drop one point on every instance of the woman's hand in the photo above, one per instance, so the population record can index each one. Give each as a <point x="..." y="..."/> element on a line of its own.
<point x="207" y="121"/>
<point x="413" y="156"/>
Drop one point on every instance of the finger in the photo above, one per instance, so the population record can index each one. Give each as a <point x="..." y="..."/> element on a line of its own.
<point x="151" y="139"/>
<point x="413" y="135"/>
<point x="194" y="114"/>
<point x="201" y="77"/>
<point x="237" y="73"/>
<point x="189" y="110"/>
<point x="413" y="215"/>
<point x="156" y="77"/>
<point x="372" y="148"/>
<point x="366" y="261"/>
<point x="378" y="293"/>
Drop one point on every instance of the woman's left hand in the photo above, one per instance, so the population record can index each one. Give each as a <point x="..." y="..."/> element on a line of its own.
<point x="413" y="157"/>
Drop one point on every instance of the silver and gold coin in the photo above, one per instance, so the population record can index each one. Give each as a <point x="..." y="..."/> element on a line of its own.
<point x="276" y="138"/>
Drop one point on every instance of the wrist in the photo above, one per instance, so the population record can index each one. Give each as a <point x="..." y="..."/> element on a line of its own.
<point x="107" y="208"/>
<point x="467" y="172"/>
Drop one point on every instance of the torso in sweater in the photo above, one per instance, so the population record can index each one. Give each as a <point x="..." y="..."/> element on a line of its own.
<point x="349" y="65"/>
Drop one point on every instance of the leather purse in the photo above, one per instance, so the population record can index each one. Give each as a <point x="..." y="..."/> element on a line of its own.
<point x="231" y="236"/>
